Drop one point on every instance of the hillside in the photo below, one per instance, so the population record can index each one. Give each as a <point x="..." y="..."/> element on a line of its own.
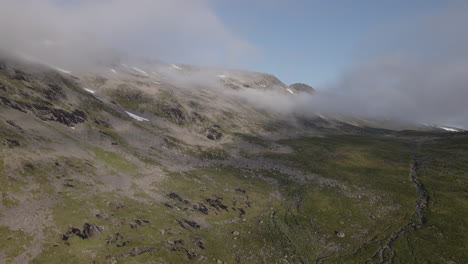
<point x="166" y="163"/>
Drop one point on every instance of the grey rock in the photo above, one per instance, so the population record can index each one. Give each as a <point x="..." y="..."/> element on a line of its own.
<point x="91" y="230"/>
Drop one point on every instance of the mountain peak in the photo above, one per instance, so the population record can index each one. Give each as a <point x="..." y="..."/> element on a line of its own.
<point x="302" y="87"/>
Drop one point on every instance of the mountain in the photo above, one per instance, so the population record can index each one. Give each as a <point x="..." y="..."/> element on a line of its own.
<point x="151" y="162"/>
<point x="301" y="87"/>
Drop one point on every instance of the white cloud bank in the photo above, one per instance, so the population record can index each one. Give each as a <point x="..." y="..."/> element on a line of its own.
<point x="75" y="33"/>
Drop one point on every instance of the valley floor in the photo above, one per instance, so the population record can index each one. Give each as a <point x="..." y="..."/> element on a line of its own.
<point x="317" y="199"/>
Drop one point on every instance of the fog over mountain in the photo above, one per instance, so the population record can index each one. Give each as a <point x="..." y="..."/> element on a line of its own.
<point x="416" y="71"/>
<point x="75" y="32"/>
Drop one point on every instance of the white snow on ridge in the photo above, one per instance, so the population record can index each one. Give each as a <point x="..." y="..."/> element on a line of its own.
<point x="89" y="90"/>
<point x="222" y="76"/>
<point x="126" y="66"/>
<point x="322" y="116"/>
<point x="62" y="70"/>
<point x="137" y="118"/>
<point x="449" y="129"/>
<point x="113" y="71"/>
<point x="140" y="71"/>
<point x="157" y="82"/>
<point x="289" y="90"/>
<point x="175" y="67"/>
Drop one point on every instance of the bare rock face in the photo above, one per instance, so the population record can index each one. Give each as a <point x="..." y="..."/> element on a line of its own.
<point x="45" y="112"/>
<point x="213" y="133"/>
<point x="302" y="87"/>
<point x="91" y="230"/>
<point x="175" y="114"/>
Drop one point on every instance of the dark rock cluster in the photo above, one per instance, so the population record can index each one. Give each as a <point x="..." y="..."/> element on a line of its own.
<point x="213" y="132"/>
<point x="47" y="113"/>
<point x="89" y="230"/>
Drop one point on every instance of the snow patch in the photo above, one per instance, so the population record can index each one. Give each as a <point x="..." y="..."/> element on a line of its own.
<point x="137" y="118"/>
<point x="175" y="67"/>
<point x="156" y="82"/>
<point x="322" y="116"/>
<point x="89" y="90"/>
<point x="113" y="71"/>
<point x="62" y="70"/>
<point x="126" y="66"/>
<point x="449" y="129"/>
<point x="222" y="76"/>
<point x="289" y="90"/>
<point x="140" y="71"/>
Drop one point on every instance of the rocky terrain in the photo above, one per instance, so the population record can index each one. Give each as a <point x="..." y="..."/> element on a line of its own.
<point x="301" y="87"/>
<point x="165" y="163"/>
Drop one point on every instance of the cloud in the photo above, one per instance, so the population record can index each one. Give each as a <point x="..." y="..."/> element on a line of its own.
<point x="414" y="71"/>
<point x="417" y="71"/>
<point x="72" y="32"/>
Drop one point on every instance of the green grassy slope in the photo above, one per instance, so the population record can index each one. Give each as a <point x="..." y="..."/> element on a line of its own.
<point x="357" y="195"/>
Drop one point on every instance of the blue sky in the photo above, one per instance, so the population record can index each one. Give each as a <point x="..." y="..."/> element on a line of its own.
<point x="313" y="41"/>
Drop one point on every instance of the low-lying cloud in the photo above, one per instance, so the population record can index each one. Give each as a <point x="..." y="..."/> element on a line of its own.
<point x="421" y="76"/>
<point x="413" y="71"/>
<point x="86" y="32"/>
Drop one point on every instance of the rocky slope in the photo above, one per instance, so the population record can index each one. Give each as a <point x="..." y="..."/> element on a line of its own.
<point x="164" y="163"/>
<point x="301" y="87"/>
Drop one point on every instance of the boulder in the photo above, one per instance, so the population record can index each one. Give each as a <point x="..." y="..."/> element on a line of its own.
<point x="91" y="230"/>
<point x="340" y="234"/>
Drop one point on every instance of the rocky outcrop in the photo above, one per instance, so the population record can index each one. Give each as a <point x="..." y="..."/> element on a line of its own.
<point x="137" y="222"/>
<point x="18" y="75"/>
<point x="89" y="230"/>
<point x="12" y="143"/>
<point x="73" y="231"/>
<point x="177" y="197"/>
<point x="46" y="113"/>
<point x="58" y="115"/>
<point x="188" y="224"/>
<point x="302" y="88"/>
<point x="54" y="92"/>
<point x="201" y="208"/>
<point x="217" y="204"/>
<point x="117" y="239"/>
<point x="174" y="114"/>
<point x="213" y="132"/>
